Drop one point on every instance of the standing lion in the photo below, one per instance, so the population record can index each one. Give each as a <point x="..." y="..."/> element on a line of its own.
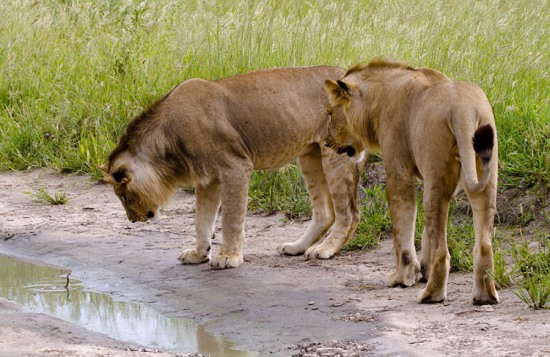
<point x="213" y="134"/>
<point x="431" y="128"/>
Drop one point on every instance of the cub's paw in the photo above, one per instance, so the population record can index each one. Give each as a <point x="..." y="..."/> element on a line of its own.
<point x="223" y="261"/>
<point x="431" y="297"/>
<point x="290" y="249"/>
<point x="319" y="252"/>
<point x="190" y="256"/>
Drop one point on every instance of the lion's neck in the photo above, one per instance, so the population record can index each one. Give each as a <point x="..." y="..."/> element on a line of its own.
<point x="389" y="98"/>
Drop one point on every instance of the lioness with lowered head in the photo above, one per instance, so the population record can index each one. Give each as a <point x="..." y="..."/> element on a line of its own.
<point x="213" y="134"/>
<point x="431" y="128"/>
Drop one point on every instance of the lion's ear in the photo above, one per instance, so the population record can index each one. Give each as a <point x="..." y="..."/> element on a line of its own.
<point x="343" y="86"/>
<point x="338" y="92"/>
<point x="109" y="179"/>
<point x="119" y="177"/>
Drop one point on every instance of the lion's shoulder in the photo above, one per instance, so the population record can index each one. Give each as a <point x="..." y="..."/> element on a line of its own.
<point x="433" y="75"/>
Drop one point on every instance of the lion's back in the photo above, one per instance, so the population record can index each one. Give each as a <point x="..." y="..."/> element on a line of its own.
<point x="267" y="117"/>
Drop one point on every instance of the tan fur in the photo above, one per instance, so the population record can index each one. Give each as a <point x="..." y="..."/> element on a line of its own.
<point x="213" y="134"/>
<point x="426" y="127"/>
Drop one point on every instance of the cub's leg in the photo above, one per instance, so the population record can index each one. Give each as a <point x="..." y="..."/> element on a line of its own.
<point x="342" y="176"/>
<point x="322" y="211"/>
<point x="484" y="207"/>
<point x="234" y="197"/>
<point x="207" y="206"/>
<point x="402" y="202"/>
<point x="437" y="194"/>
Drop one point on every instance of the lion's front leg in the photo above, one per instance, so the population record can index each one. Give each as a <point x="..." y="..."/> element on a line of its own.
<point x="207" y="206"/>
<point x="322" y="208"/>
<point x="234" y="196"/>
<point x="402" y="202"/>
<point x="342" y="176"/>
<point x="425" y="257"/>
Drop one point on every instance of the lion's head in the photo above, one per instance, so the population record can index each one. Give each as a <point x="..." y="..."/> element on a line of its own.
<point x="357" y="97"/>
<point x="139" y="184"/>
<point x="137" y="189"/>
<point x="340" y="139"/>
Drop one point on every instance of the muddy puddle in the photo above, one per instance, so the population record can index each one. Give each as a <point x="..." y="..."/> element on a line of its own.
<point x="52" y="291"/>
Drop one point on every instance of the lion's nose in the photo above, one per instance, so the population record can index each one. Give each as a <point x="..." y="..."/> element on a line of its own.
<point x="350" y="150"/>
<point x="150" y="214"/>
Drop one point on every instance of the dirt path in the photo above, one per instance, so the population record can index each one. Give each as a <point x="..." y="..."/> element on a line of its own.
<point x="272" y="304"/>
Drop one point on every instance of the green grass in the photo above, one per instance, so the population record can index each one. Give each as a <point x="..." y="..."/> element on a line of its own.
<point x="281" y="190"/>
<point x="75" y="72"/>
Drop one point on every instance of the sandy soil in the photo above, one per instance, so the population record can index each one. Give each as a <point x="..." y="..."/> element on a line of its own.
<point x="279" y="306"/>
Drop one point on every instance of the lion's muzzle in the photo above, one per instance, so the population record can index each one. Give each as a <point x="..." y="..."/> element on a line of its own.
<point x="348" y="149"/>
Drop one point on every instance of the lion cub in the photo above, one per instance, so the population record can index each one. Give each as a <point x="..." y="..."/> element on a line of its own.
<point x="213" y="134"/>
<point x="431" y="128"/>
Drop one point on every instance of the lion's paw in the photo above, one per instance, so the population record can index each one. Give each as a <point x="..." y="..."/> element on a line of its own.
<point x="190" y="256"/>
<point x="290" y="249"/>
<point x="429" y="297"/>
<point x="402" y="279"/>
<point x="223" y="261"/>
<point x="485" y="296"/>
<point x="318" y="252"/>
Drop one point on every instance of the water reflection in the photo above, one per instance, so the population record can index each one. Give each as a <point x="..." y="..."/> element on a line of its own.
<point x="43" y="289"/>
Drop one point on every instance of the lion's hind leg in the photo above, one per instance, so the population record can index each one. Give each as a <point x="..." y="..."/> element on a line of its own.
<point x="342" y="176"/>
<point x="322" y="208"/>
<point x="207" y="206"/>
<point x="484" y="208"/>
<point x="437" y="194"/>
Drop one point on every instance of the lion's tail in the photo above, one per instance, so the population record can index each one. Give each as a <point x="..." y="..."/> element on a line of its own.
<point x="482" y="143"/>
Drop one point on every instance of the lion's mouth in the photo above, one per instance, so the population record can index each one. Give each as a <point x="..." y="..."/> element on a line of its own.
<point x="150" y="216"/>
<point x="349" y="150"/>
<point x="340" y="149"/>
<point x="153" y="215"/>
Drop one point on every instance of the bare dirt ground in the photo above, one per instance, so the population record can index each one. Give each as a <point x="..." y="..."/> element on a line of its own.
<point x="278" y="306"/>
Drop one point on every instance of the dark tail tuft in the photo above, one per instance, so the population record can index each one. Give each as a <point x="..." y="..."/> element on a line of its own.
<point x="483" y="141"/>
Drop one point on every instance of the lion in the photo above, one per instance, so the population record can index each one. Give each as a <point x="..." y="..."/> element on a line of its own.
<point x="213" y="134"/>
<point x="431" y="128"/>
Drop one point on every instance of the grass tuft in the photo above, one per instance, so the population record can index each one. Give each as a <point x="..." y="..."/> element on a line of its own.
<point x="532" y="275"/>
<point x="41" y="195"/>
